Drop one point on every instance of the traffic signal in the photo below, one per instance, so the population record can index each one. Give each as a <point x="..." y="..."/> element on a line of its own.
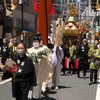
<point x="93" y="4"/>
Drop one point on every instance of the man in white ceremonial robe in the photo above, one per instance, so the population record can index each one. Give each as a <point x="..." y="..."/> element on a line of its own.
<point x="48" y="85"/>
<point x="57" y="68"/>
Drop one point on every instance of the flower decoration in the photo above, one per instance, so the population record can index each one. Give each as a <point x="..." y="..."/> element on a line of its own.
<point x="36" y="57"/>
<point x="73" y="28"/>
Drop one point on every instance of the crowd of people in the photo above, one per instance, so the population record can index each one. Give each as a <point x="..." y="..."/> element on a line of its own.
<point x="40" y="66"/>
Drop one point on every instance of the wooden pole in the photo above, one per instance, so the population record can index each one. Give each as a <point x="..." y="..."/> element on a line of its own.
<point x="95" y="27"/>
<point x="44" y="19"/>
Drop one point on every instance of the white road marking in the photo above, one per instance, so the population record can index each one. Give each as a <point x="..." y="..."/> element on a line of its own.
<point x="98" y="90"/>
<point x="5" y="81"/>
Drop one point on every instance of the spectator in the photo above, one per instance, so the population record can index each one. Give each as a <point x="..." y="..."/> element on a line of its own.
<point x="5" y="54"/>
<point x="94" y="64"/>
<point x="25" y="78"/>
<point x="82" y="55"/>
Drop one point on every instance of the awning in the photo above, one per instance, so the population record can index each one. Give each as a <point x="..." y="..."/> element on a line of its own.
<point x="26" y="32"/>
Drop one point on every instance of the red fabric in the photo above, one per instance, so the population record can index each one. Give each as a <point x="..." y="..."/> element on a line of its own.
<point x="35" y="0"/>
<point x="36" y="7"/>
<point x="77" y="64"/>
<point x="14" y="68"/>
<point x="66" y="63"/>
<point x="52" y="12"/>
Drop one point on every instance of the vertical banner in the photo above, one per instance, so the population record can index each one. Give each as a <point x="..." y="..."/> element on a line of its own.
<point x="44" y="19"/>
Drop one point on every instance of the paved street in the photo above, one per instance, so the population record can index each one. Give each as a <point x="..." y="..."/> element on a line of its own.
<point x="71" y="88"/>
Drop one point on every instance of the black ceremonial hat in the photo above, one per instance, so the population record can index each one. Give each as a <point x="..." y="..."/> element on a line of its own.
<point x="36" y="38"/>
<point x="38" y="33"/>
<point x="40" y="38"/>
<point x="50" y="46"/>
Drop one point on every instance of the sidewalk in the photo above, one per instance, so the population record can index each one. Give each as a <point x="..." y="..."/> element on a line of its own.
<point x="1" y="73"/>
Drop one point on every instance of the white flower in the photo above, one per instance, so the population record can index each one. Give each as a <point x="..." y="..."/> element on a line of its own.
<point x="66" y="28"/>
<point x="70" y="24"/>
<point x="73" y="28"/>
<point x="36" y="57"/>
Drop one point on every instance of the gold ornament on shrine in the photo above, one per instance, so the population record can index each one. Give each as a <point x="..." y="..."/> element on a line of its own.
<point x="85" y="26"/>
<point x="73" y="12"/>
<point x="72" y="27"/>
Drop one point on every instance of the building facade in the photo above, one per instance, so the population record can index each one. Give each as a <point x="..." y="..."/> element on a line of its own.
<point x="29" y="22"/>
<point x="83" y="7"/>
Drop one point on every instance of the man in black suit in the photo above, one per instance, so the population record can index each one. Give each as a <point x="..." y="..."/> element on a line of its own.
<point x="82" y="55"/>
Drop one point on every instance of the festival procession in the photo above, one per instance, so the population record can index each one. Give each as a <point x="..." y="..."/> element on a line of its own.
<point x="59" y="45"/>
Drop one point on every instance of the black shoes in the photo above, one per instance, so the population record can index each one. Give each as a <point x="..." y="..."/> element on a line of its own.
<point x="78" y="76"/>
<point x="36" y="99"/>
<point x="68" y="72"/>
<point x="95" y="82"/>
<point x="90" y="83"/>
<point x="33" y="99"/>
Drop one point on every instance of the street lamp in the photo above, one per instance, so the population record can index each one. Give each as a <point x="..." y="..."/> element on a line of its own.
<point x="22" y="35"/>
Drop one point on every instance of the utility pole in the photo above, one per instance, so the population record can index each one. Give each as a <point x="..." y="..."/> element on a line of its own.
<point x="65" y="8"/>
<point x="79" y="11"/>
<point x="44" y="19"/>
<point x="22" y="35"/>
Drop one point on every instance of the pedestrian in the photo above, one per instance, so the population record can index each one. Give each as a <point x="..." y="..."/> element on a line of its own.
<point x="25" y="78"/>
<point x="13" y="47"/>
<point x="94" y="64"/>
<point x="82" y="56"/>
<point x="57" y="69"/>
<point x="5" y="54"/>
<point x="66" y="55"/>
<point x="72" y="50"/>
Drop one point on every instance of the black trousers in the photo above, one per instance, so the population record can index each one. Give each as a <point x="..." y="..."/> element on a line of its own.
<point x="63" y="69"/>
<point x="82" y="66"/>
<point x="72" y="69"/>
<point x="20" y="90"/>
<point x="6" y="75"/>
<point x="93" y="74"/>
